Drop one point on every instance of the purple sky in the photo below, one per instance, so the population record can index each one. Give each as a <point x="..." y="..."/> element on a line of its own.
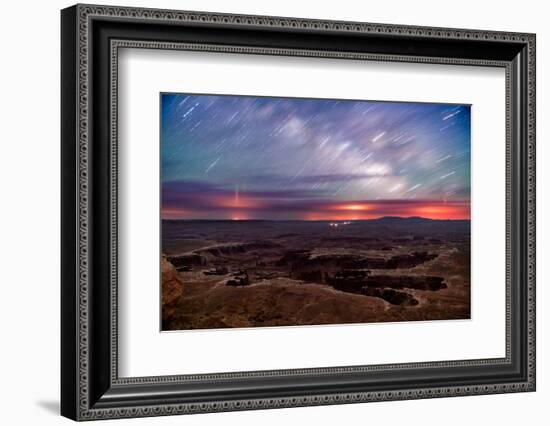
<point x="242" y="157"/>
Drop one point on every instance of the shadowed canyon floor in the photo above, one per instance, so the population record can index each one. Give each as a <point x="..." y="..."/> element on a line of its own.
<point x="219" y="274"/>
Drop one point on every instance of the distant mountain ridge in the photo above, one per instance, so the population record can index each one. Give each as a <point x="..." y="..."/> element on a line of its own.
<point x="415" y="219"/>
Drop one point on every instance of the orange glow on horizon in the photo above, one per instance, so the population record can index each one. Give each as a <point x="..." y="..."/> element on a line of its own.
<point x="355" y="207"/>
<point x="250" y="208"/>
<point x="235" y="202"/>
<point x="240" y="216"/>
<point x="442" y="211"/>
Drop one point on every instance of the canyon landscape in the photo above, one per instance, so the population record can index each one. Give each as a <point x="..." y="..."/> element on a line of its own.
<point x="283" y="211"/>
<point x="220" y="274"/>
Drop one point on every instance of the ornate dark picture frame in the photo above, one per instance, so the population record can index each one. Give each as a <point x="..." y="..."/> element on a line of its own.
<point x="90" y="385"/>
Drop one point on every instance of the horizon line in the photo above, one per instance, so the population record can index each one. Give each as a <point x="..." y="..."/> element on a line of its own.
<point x="311" y="220"/>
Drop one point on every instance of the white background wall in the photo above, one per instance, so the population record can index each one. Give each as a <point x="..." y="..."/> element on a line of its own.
<point x="29" y="214"/>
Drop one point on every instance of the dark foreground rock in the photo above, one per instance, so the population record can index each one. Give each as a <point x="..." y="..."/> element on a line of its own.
<point x="392" y="296"/>
<point x="220" y="270"/>
<point x="351" y="281"/>
<point x="407" y="281"/>
<point x="187" y="260"/>
<point x="239" y="280"/>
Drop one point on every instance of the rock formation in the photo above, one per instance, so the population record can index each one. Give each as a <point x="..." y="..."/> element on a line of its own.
<point x="235" y="248"/>
<point x="171" y="290"/>
<point x="239" y="279"/>
<point x="219" y="270"/>
<point x="303" y="261"/>
<point x="406" y="281"/>
<point x="392" y="296"/>
<point x="191" y="259"/>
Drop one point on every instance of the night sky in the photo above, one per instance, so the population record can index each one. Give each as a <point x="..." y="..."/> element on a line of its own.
<point x="245" y="157"/>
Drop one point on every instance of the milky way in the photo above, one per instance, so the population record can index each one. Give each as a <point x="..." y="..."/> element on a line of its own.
<point x="245" y="157"/>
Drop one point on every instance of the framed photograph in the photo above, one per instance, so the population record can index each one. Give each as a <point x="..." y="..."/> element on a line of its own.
<point x="263" y="212"/>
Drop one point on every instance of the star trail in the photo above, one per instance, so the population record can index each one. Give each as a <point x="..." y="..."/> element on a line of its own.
<point x="246" y="157"/>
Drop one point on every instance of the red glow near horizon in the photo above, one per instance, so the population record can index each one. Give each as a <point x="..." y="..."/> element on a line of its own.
<point x="249" y="208"/>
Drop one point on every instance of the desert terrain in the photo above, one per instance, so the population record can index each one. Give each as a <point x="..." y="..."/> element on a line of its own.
<point x="241" y="273"/>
